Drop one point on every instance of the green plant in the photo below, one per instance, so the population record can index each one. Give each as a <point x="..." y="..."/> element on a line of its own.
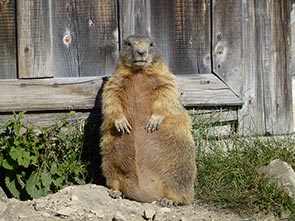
<point x="35" y="162"/>
<point x="227" y="170"/>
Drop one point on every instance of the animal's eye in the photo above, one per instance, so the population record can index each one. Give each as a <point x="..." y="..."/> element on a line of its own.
<point x="151" y="44"/>
<point x="127" y="43"/>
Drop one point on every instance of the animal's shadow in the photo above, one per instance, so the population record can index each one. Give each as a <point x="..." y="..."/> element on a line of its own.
<point x="91" y="154"/>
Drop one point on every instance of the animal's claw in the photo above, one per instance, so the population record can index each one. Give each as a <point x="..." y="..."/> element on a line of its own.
<point x="154" y="123"/>
<point x="122" y="125"/>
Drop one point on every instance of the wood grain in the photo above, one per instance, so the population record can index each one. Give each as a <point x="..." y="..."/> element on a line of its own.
<point x="226" y="45"/>
<point x="181" y="29"/>
<point x="134" y="17"/>
<point x="7" y="40"/>
<point x="81" y="93"/>
<point x="223" y="119"/>
<point x="34" y="42"/>
<point x="85" y="37"/>
<point x="182" y="32"/>
<point x="251" y="116"/>
<point x="274" y="64"/>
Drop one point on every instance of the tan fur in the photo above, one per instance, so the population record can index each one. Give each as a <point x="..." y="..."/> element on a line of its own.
<point x="146" y="163"/>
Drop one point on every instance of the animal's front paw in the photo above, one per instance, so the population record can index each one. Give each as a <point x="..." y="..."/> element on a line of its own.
<point x="116" y="194"/>
<point x="122" y="125"/>
<point x="154" y="123"/>
<point x="164" y="202"/>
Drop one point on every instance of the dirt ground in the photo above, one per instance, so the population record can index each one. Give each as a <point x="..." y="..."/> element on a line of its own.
<point x="92" y="202"/>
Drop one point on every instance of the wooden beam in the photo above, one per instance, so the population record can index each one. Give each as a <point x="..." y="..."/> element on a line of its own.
<point x="84" y="93"/>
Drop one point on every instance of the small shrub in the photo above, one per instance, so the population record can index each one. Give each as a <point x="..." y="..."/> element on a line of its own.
<point x="35" y="162"/>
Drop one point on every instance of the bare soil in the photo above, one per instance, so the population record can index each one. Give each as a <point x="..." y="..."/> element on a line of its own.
<point x="92" y="202"/>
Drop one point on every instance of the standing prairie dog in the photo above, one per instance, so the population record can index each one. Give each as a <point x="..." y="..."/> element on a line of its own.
<point x="147" y="148"/>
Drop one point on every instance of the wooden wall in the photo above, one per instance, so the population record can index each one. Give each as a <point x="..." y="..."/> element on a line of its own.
<point x="251" y="53"/>
<point x="240" y="46"/>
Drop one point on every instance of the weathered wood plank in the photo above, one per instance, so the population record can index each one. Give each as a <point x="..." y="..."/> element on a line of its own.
<point x="226" y="45"/>
<point x="85" y="37"/>
<point x="274" y="64"/>
<point x="8" y="40"/>
<point x="182" y="31"/>
<point x="82" y="93"/>
<point x="44" y="119"/>
<point x="205" y="90"/>
<point x="134" y="16"/>
<point x="293" y="39"/>
<point x="251" y="115"/>
<point x="34" y="42"/>
<point x="216" y="117"/>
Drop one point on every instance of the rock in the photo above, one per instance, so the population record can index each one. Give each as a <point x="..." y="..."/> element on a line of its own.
<point x="149" y="214"/>
<point x="3" y="196"/>
<point x="165" y="210"/>
<point x="119" y="217"/>
<point x="67" y="211"/>
<point x="282" y="173"/>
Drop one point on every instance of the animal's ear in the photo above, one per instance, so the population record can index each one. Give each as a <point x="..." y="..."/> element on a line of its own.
<point x="127" y="43"/>
<point x="152" y="41"/>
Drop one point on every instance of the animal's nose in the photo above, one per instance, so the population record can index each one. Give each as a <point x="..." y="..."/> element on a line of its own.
<point x="141" y="52"/>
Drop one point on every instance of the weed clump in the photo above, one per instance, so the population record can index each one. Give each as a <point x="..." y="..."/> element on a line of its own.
<point x="227" y="171"/>
<point x="35" y="162"/>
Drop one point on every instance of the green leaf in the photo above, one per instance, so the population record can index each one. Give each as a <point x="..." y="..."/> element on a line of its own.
<point x="34" y="160"/>
<point x="1" y="158"/>
<point x="9" y="164"/>
<point x="33" y="186"/>
<point x="11" y="186"/>
<point x="21" y="156"/>
<point x="58" y="182"/>
<point x="46" y="180"/>
<point x="16" y="143"/>
<point x="53" y="168"/>
<point x="20" y="181"/>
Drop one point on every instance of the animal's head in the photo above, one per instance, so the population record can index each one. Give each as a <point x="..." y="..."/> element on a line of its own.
<point x="139" y="51"/>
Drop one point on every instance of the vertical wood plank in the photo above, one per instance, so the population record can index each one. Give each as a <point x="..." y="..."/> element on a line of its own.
<point x="293" y="38"/>
<point x="134" y="16"/>
<point x="182" y="31"/>
<point x="85" y="37"/>
<point x="275" y="43"/>
<point x="34" y="42"/>
<point x="251" y="116"/>
<point x="7" y="40"/>
<point x="227" y="53"/>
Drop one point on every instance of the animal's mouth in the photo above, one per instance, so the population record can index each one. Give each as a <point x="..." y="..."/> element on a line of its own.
<point x="140" y="63"/>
